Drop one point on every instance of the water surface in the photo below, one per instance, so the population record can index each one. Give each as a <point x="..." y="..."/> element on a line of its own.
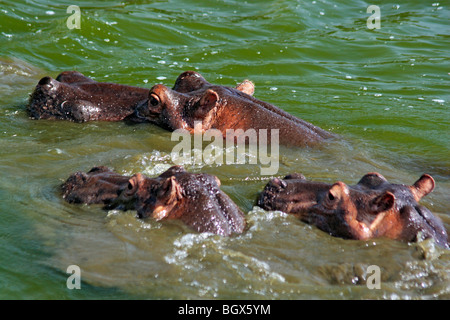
<point x="383" y="91"/>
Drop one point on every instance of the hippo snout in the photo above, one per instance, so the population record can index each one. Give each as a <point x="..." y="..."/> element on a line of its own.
<point x="48" y="84"/>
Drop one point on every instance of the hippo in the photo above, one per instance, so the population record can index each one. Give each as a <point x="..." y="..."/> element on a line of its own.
<point x="73" y="96"/>
<point x="208" y="106"/>
<point x="193" y="198"/>
<point x="372" y="208"/>
<point x="100" y="185"/>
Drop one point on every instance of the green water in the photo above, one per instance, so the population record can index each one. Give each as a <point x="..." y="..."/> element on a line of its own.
<point x="385" y="92"/>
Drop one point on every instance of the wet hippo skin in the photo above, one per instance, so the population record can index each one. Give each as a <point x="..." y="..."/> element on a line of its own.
<point x="370" y="209"/>
<point x="100" y="185"/>
<point x="195" y="199"/>
<point x="73" y="96"/>
<point x="222" y="108"/>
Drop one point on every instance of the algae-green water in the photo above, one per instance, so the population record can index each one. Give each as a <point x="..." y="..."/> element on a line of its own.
<point x="384" y="92"/>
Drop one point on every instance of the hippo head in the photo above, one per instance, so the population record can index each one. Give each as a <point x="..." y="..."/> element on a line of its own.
<point x="75" y="97"/>
<point x="196" y="199"/>
<point x="98" y="186"/>
<point x="179" y="107"/>
<point x="370" y="209"/>
<point x="65" y="98"/>
<point x="46" y="99"/>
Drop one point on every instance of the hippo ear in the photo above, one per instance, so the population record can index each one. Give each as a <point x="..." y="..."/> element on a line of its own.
<point x="206" y="103"/>
<point x="422" y="187"/>
<point x="384" y="202"/>
<point x="217" y="180"/>
<point x="247" y="87"/>
<point x="172" y="189"/>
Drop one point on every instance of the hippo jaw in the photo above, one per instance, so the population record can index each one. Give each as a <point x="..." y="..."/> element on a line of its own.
<point x="421" y="224"/>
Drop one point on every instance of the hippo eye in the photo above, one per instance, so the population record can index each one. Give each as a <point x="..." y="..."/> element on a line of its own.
<point x="154" y="100"/>
<point x="330" y="196"/>
<point x="329" y="200"/>
<point x="129" y="190"/>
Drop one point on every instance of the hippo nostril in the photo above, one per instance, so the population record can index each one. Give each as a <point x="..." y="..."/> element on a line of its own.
<point x="140" y="214"/>
<point x="279" y="183"/>
<point x="81" y="177"/>
<point x="45" y="80"/>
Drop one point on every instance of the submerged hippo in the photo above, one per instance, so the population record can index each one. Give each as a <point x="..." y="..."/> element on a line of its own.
<point x="73" y="96"/>
<point x="195" y="199"/>
<point x="218" y="107"/>
<point x="100" y="185"/>
<point x="370" y="209"/>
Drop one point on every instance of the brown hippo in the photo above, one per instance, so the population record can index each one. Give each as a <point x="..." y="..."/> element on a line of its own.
<point x="195" y="199"/>
<point x="370" y="209"/>
<point x="224" y="108"/>
<point x="73" y="96"/>
<point x="100" y="185"/>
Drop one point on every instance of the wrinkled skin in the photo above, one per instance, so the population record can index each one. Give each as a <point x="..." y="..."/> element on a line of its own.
<point x="370" y="209"/>
<point x="222" y="108"/>
<point x="195" y="199"/>
<point x="72" y="96"/>
<point x="98" y="186"/>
